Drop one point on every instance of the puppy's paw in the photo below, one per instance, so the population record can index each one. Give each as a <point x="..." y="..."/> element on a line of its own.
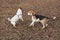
<point x="31" y="25"/>
<point x="22" y="20"/>
<point x="14" y="25"/>
<point x="46" y="25"/>
<point x="43" y="27"/>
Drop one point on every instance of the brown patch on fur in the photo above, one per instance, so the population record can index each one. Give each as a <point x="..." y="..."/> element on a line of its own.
<point x="44" y="21"/>
<point x="32" y="12"/>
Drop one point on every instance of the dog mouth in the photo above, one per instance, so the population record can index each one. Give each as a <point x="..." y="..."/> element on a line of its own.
<point x="29" y="14"/>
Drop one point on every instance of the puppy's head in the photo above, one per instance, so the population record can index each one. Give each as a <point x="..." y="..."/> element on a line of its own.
<point x="19" y="12"/>
<point x="31" y="12"/>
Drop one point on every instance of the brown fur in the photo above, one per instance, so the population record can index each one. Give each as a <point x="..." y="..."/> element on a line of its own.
<point x="31" y="12"/>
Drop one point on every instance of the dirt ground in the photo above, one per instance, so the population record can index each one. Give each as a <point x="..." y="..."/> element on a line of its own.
<point x="22" y="31"/>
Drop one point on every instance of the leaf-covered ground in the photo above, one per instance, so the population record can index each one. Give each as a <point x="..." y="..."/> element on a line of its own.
<point x="22" y="31"/>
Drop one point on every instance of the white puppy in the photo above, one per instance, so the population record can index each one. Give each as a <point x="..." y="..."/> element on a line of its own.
<point x="15" y="18"/>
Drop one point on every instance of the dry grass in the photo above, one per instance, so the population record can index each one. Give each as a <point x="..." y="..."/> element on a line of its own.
<point x="48" y="8"/>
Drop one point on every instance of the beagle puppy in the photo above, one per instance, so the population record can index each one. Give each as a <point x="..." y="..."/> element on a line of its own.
<point x="38" y="18"/>
<point x="16" y="17"/>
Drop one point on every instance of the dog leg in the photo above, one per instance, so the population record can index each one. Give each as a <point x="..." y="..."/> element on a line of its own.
<point x="32" y="24"/>
<point x="21" y="18"/>
<point x="37" y="20"/>
<point x="43" y="23"/>
<point x="46" y="25"/>
<point x="13" y="23"/>
<point x="43" y="26"/>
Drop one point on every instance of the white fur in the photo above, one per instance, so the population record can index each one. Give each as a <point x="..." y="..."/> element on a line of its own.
<point x="33" y="21"/>
<point x="15" y="18"/>
<point x="29" y="14"/>
<point x="54" y="17"/>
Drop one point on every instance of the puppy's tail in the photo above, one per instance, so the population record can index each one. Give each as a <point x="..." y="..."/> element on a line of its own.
<point x="9" y="19"/>
<point x="54" y="18"/>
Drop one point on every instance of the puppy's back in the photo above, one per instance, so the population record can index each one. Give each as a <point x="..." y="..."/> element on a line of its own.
<point x="40" y="17"/>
